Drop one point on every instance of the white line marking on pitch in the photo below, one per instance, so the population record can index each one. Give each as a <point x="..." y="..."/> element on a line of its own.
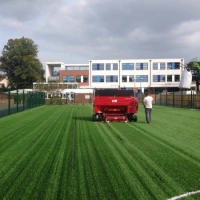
<point x="184" y="195"/>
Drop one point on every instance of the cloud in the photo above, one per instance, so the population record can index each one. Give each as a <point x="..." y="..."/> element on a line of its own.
<point x="80" y="30"/>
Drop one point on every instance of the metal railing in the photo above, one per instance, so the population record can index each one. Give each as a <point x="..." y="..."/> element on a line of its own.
<point x="19" y="100"/>
<point x="175" y="99"/>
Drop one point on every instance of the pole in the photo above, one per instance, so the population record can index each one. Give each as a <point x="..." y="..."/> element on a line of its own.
<point x="9" y="101"/>
<point x="17" y="100"/>
<point x="23" y="100"/>
<point x="119" y="74"/>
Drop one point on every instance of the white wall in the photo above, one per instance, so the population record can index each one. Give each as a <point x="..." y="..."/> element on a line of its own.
<point x="150" y="72"/>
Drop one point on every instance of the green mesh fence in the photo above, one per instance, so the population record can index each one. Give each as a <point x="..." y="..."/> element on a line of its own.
<point x="19" y="100"/>
<point x="191" y="100"/>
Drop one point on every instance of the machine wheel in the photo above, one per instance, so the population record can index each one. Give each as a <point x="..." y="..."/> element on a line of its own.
<point x="100" y="117"/>
<point x="94" y="117"/>
<point x="134" y="118"/>
<point x="129" y="117"/>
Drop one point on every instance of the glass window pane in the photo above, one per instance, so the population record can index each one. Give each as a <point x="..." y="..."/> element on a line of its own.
<point x="141" y="66"/>
<point x="162" y="66"/>
<point x="127" y="66"/>
<point x="111" y="78"/>
<point x="141" y="78"/>
<point x="169" y="78"/>
<point x="158" y="78"/>
<point x="108" y="66"/>
<point x="97" y="78"/>
<point x="70" y="68"/>
<point x="177" y="65"/>
<point x="76" y="68"/>
<point x="97" y="66"/>
<point x="78" y="78"/>
<point x="85" y="79"/>
<point x="124" y="78"/>
<point x="177" y="78"/>
<point x="155" y="66"/>
<point x="115" y="66"/>
<point x="84" y="68"/>
<point x="131" y="78"/>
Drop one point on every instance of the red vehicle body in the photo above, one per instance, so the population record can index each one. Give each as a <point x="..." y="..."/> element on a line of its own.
<point x="114" y="105"/>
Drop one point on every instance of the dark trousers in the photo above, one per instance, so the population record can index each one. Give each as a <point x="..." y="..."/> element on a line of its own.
<point x="148" y="114"/>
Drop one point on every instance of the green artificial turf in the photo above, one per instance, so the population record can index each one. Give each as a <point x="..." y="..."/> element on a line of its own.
<point x="58" y="152"/>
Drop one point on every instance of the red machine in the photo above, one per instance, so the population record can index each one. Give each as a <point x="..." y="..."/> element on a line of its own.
<point x="114" y="105"/>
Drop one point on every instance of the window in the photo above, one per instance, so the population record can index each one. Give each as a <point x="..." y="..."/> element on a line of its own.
<point x="131" y="78"/>
<point x="158" y="78"/>
<point x="141" y="66"/>
<point x="124" y="78"/>
<point x="155" y="66"/>
<point x="85" y="79"/>
<point x="141" y="78"/>
<point x="68" y="79"/>
<point x="177" y="78"/>
<point x="97" y="79"/>
<point x="173" y="65"/>
<point x="127" y="66"/>
<point x="108" y="66"/>
<point x="70" y="68"/>
<point x="169" y="78"/>
<point x="78" y="78"/>
<point x="162" y="66"/>
<point x="111" y="78"/>
<point x="76" y="68"/>
<point x="177" y="65"/>
<point x="84" y="68"/>
<point x="96" y="66"/>
<point x="115" y="66"/>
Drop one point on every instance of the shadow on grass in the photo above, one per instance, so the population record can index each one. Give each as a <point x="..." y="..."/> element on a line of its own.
<point x="83" y="118"/>
<point x="91" y="120"/>
<point x="140" y="122"/>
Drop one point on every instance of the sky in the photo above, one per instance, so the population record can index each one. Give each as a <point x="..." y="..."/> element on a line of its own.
<point x="76" y="31"/>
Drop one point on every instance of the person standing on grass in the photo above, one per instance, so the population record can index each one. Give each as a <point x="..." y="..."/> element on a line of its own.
<point x="147" y="102"/>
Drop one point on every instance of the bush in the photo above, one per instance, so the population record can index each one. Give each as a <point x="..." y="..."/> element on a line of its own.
<point x="56" y="101"/>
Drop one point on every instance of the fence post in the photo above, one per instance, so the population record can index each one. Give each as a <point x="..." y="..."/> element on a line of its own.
<point x="9" y="101"/>
<point x="17" y="101"/>
<point x="160" y="98"/>
<point x="173" y="99"/>
<point x="181" y="98"/>
<point x="166" y="99"/>
<point x="155" y="97"/>
<point x="193" y="99"/>
<point x="23" y="100"/>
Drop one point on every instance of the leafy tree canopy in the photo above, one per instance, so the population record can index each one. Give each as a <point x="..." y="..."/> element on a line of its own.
<point x="194" y="66"/>
<point x="20" y="63"/>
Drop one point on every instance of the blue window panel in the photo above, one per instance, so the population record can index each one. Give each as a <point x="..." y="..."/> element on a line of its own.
<point x="111" y="78"/>
<point x="141" y="78"/>
<point x="141" y="66"/>
<point x="98" y="78"/>
<point x="127" y="66"/>
<point x="98" y="68"/>
<point x="158" y="78"/>
<point x="173" y="65"/>
<point x="68" y="78"/>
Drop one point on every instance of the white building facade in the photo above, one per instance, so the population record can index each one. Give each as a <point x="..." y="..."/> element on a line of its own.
<point x="138" y="74"/>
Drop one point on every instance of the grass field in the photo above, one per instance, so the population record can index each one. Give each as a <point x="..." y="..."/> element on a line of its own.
<point x="58" y="152"/>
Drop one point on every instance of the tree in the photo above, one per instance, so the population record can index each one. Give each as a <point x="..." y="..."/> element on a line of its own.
<point x="194" y="66"/>
<point x="20" y="63"/>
